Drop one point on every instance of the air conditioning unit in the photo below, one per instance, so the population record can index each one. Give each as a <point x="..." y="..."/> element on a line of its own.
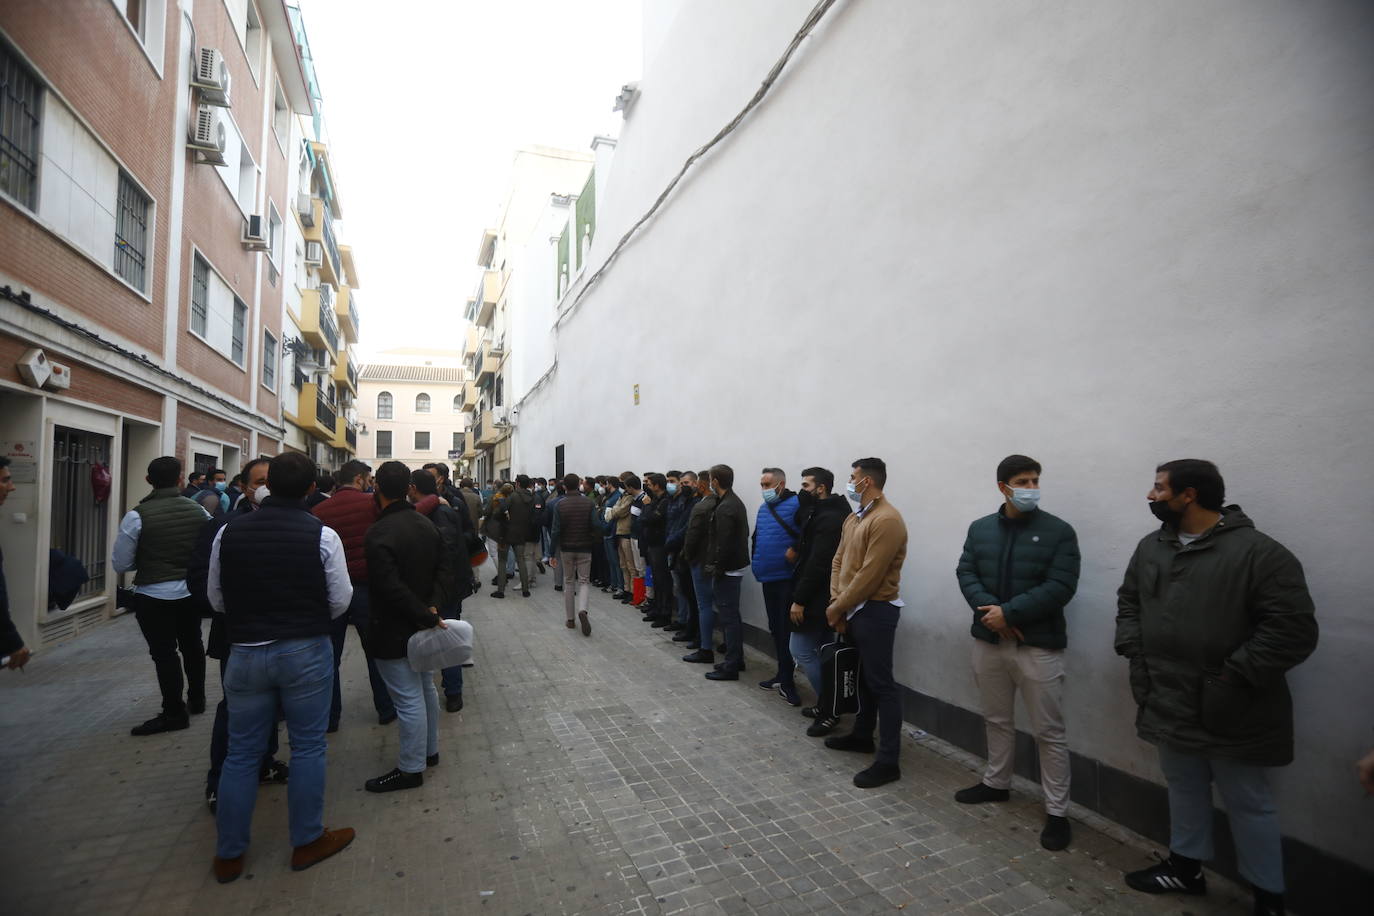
<point x="314" y="254"/>
<point x="206" y="135"/>
<point x="500" y="416"/>
<point x="60" y="379"/>
<point x="255" y="233"/>
<point x="305" y="209"/>
<point x="212" y="78"/>
<point x="35" y="368"/>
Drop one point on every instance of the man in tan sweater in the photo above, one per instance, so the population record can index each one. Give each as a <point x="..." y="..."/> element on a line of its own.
<point x="865" y="603"/>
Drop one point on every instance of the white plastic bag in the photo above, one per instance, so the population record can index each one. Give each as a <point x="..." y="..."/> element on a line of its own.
<point x="436" y="648"/>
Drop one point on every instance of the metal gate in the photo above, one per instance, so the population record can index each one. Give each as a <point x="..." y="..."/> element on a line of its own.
<point x="79" y="523"/>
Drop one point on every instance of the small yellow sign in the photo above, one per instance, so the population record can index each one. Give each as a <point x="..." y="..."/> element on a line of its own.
<point x="636" y="395"/>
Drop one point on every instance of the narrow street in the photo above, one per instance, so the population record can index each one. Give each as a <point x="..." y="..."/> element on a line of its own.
<point x="596" y="776"/>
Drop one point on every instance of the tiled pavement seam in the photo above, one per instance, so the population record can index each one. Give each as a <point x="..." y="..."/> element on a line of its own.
<point x="585" y="776"/>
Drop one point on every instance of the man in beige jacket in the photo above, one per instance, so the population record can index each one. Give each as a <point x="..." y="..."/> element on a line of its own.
<point x="865" y="603"/>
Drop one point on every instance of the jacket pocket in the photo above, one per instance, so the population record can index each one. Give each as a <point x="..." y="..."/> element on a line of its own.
<point x="1227" y="708"/>
<point x="1140" y="680"/>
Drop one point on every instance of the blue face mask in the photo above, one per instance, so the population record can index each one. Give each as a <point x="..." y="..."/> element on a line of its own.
<point x="770" y="496"/>
<point x="672" y="488"/>
<point x="221" y="485"/>
<point x="1025" y="500"/>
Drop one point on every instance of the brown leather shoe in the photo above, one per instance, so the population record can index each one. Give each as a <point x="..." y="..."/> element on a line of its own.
<point x="227" y="870"/>
<point x="329" y="842"/>
<point x="571" y="624"/>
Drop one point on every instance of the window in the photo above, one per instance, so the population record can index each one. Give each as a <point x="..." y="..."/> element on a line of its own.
<point x="274" y="233"/>
<point x="20" y="97"/>
<point x="200" y="296"/>
<point x="240" y="331"/>
<point x="269" y="360"/>
<point x="281" y="117"/>
<point x="383" y="443"/>
<point x="457" y="442"/>
<point x="421" y="440"/>
<point x="384" y="406"/>
<point x="131" y="234"/>
<point x="133" y="11"/>
<point x="422" y="403"/>
<point x="457" y="403"/>
<point x="245" y="18"/>
<point x="239" y="173"/>
<point x="79" y="524"/>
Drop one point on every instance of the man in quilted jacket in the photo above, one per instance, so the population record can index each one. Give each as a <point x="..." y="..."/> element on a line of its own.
<point x="1018" y="570"/>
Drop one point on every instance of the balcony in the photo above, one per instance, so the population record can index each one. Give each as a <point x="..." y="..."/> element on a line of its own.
<point x="346" y="311"/>
<point x="473" y="343"/>
<point x="312" y="226"/>
<point x="317" y="319"/>
<point x="487" y="250"/>
<point x="345" y="372"/>
<point x="486" y="432"/>
<point x="487" y="365"/>
<point x="331" y="269"/>
<point x="471" y="396"/>
<point x="345" y="435"/>
<point x="350" y="275"/>
<point x="483" y="305"/>
<point x="316" y="415"/>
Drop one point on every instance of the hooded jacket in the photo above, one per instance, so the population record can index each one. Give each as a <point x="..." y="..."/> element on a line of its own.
<point x="1230" y="609"/>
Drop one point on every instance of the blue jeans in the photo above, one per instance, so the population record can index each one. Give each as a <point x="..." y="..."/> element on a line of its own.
<point x="874" y="629"/>
<point x="297" y="675"/>
<point x="359" y="613"/>
<point x="706" y="608"/>
<point x="806" y="651"/>
<point x="617" y="579"/>
<point x="417" y="709"/>
<point x="1250" y="806"/>
<point x="777" y="600"/>
<point x="219" y="739"/>
<point x="726" y="590"/>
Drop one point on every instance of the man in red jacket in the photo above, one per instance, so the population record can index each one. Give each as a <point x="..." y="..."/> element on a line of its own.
<point x="350" y="511"/>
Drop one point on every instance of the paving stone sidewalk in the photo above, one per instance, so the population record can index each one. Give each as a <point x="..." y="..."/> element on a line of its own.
<point x="596" y="776"/>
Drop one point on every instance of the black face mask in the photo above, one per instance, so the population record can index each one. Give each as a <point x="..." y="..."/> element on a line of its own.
<point x="805" y="498"/>
<point x="1161" y="510"/>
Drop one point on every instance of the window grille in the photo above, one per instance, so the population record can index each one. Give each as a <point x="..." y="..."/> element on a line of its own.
<point x="269" y="360"/>
<point x="422" y="403"/>
<point x="383" y="443"/>
<point x="457" y="442"/>
<point x="21" y="98"/>
<point x="79" y="523"/>
<point x="200" y="295"/>
<point x="240" y="332"/>
<point x="131" y="233"/>
<point x="384" y="406"/>
<point x="457" y="403"/>
<point x="421" y="441"/>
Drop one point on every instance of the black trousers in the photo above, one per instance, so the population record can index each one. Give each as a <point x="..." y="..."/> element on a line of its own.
<point x="873" y="630"/>
<point x="168" y="626"/>
<point x="664" y="604"/>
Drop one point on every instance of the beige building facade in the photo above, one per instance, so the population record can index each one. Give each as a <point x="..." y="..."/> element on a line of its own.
<point x="410" y="408"/>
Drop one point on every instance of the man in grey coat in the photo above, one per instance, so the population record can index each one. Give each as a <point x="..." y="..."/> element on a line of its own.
<point x="1211" y="615"/>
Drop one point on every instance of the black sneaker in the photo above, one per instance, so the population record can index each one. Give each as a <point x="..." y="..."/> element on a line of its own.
<point x="722" y="675"/>
<point x="770" y="684"/>
<point x="700" y="656"/>
<point x="395" y="781"/>
<point x="386" y="718"/>
<point x="276" y="773"/>
<point x="1166" y="878"/>
<point x="976" y="795"/>
<point x="1057" y="833"/>
<point x="684" y="636"/>
<point x="195" y="705"/>
<point x="880" y="774"/>
<point x="454" y="703"/>
<point x="498" y="594"/>
<point x="850" y="742"/>
<point x="811" y="712"/>
<point x="432" y="760"/>
<point x="558" y="588"/>
<point x="159" y="724"/>
<point x="789" y="693"/>
<point x="525" y="593"/>
<point x="822" y="727"/>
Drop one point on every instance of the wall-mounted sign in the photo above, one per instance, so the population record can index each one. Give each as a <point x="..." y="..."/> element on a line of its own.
<point x="636" y="395"/>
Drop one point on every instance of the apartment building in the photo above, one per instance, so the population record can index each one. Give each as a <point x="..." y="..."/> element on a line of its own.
<point x="150" y="156"/>
<point x="410" y="407"/>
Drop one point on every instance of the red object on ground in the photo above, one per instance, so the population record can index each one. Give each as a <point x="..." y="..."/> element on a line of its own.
<point x="637" y="592"/>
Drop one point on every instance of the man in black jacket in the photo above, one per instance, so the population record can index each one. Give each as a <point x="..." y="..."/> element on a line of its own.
<point x="453" y="528"/>
<point x="573" y="537"/>
<point x="820" y="519"/>
<point x="654" y="539"/>
<point x="519" y="522"/>
<point x="682" y="498"/>
<point x="727" y="560"/>
<point x="409" y="576"/>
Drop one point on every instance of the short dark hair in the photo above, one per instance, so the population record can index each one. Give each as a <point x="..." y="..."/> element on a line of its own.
<point x="441" y="468"/>
<point x="630" y="481"/>
<point x="523" y="480"/>
<point x="345" y="475"/>
<point x="190" y="478"/>
<point x="289" y="475"/>
<point x="248" y="468"/>
<point x="542" y="481"/>
<point x="704" y="475"/>
<point x="324" y="482"/>
<point x="467" y="482"/>
<point x="1201" y="475"/>
<point x="822" y="477"/>
<point x="677" y="474"/>
<point x="424" y="482"/>
<point x="724" y="475"/>
<point x="659" y="481"/>
<point x="213" y="471"/>
<point x="571" y="481"/>
<point x="393" y="478"/>
<point x="4" y="462"/>
<point x="875" y="468"/>
<point x="1012" y="465"/>
<point x="164" y="471"/>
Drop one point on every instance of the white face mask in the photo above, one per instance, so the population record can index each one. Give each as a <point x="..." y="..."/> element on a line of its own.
<point x="1026" y="500"/>
<point x="851" y="492"/>
<point x="260" y="494"/>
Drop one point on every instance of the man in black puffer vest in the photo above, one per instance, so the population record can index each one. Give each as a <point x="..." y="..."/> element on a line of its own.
<point x="155" y="541"/>
<point x="1018" y="570"/>
<point x="279" y="576"/>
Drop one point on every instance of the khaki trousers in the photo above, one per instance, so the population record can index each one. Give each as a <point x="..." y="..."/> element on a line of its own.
<point x="1000" y="671"/>
<point x="630" y="563"/>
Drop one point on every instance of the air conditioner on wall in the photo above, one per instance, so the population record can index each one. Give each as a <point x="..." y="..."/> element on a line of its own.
<point x="212" y="78"/>
<point x="205" y="135"/>
<point x="314" y="254"/>
<point x="305" y="208"/>
<point x="500" y="416"/>
<point x="255" y="233"/>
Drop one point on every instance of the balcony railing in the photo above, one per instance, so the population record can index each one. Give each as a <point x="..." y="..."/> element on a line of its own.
<point x="353" y="312"/>
<point x="324" y="412"/>
<point x="351" y="436"/>
<point x="327" y="326"/>
<point x="332" y="247"/>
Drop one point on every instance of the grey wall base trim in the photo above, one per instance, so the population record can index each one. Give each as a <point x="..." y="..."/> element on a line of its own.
<point x="1319" y="884"/>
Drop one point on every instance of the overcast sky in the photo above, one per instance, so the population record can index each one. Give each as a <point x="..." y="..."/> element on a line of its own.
<point x="425" y="102"/>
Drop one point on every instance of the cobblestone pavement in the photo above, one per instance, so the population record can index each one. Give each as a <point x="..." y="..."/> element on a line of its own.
<point x="597" y="776"/>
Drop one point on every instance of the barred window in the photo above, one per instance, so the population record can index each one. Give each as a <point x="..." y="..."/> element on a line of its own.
<point x="384" y="406"/>
<point x="21" y="98"/>
<point x="240" y="332"/>
<point x="383" y="443"/>
<point x="422" y="441"/>
<point x="457" y="442"/>
<point x="131" y="233"/>
<point x="422" y="403"/>
<point x="269" y="360"/>
<point x="200" y="295"/>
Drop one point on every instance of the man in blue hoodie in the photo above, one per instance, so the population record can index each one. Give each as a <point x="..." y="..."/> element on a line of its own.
<point x="773" y="553"/>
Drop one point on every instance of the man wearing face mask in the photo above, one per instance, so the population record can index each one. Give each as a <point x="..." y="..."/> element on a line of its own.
<point x="1018" y="570"/>
<point x="725" y="562"/>
<point x="654" y="539"/>
<point x="820" y="518"/>
<point x="1212" y="614"/>
<point x="682" y="496"/>
<point x="866" y="603"/>
<point x="219" y="482"/>
<point x="773" y="549"/>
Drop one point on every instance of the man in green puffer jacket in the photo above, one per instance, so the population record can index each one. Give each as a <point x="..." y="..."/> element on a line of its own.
<point x="1211" y="615"/>
<point x="1018" y="570"/>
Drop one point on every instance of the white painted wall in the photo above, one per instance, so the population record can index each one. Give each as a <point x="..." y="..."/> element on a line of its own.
<point x="1104" y="235"/>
